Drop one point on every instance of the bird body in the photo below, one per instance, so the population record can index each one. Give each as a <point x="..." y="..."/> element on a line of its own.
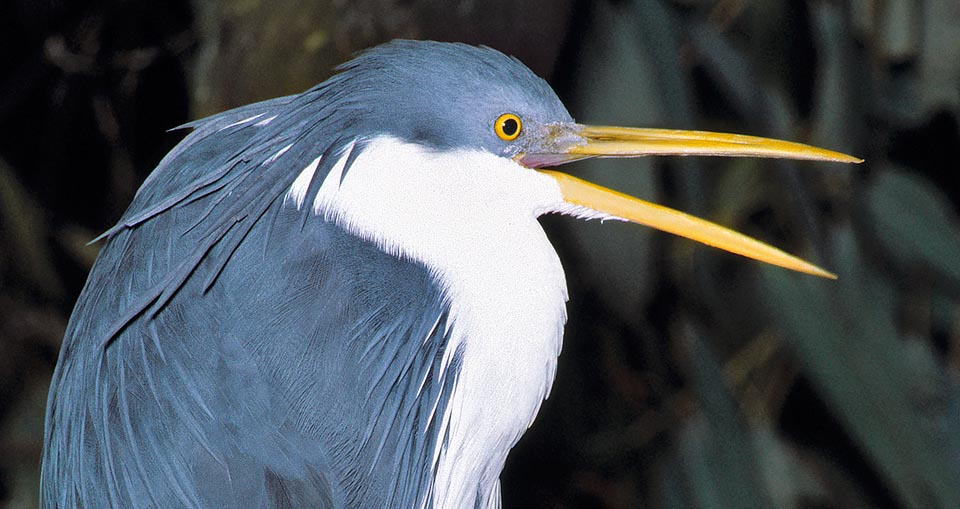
<point x="341" y="298"/>
<point x="391" y="260"/>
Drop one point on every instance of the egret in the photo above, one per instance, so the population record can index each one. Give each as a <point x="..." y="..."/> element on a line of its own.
<point x="343" y="298"/>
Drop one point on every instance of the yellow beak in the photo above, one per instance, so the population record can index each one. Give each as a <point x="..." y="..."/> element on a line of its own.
<point x="571" y="142"/>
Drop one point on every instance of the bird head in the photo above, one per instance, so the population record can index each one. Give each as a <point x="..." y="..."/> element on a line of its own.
<point x="444" y="98"/>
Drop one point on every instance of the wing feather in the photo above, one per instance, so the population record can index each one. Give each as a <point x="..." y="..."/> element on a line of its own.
<point x="232" y="350"/>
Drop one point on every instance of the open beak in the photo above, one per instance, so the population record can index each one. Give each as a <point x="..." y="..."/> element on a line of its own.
<point x="563" y="143"/>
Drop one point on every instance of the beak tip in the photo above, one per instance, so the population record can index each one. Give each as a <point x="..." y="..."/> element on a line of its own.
<point x="813" y="270"/>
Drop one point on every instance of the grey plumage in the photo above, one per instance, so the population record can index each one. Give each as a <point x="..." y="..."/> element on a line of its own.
<point x="231" y="350"/>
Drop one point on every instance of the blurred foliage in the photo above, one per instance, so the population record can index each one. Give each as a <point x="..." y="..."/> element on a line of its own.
<point x="690" y="378"/>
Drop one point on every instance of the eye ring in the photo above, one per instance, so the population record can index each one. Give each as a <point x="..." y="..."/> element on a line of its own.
<point x="507" y="127"/>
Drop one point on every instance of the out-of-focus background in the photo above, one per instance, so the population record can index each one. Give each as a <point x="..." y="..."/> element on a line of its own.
<point x="690" y="377"/>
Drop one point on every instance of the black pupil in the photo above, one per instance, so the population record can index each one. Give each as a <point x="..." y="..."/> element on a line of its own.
<point x="510" y="126"/>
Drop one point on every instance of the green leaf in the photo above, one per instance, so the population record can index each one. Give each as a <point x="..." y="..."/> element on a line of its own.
<point x="914" y="225"/>
<point x="844" y="334"/>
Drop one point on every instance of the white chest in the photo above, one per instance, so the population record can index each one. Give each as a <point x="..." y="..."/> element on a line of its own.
<point x="470" y="217"/>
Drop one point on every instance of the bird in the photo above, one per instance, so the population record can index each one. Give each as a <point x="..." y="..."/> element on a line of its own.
<point x="343" y="297"/>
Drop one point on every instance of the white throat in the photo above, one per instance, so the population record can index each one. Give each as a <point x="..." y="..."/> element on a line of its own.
<point x="470" y="217"/>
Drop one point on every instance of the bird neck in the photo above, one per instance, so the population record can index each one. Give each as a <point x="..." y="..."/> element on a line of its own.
<point x="507" y="320"/>
<point x="470" y="218"/>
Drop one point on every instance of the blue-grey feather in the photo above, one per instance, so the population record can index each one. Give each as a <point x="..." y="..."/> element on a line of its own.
<point x="229" y="349"/>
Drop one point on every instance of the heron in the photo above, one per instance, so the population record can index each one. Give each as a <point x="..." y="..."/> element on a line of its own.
<point x="344" y="298"/>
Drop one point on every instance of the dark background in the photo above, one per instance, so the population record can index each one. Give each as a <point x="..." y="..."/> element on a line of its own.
<point x="689" y="377"/>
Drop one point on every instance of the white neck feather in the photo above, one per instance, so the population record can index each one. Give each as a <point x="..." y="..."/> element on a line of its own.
<point x="470" y="217"/>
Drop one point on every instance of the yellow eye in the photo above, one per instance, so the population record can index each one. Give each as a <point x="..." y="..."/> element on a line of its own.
<point x="507" y="126"/>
